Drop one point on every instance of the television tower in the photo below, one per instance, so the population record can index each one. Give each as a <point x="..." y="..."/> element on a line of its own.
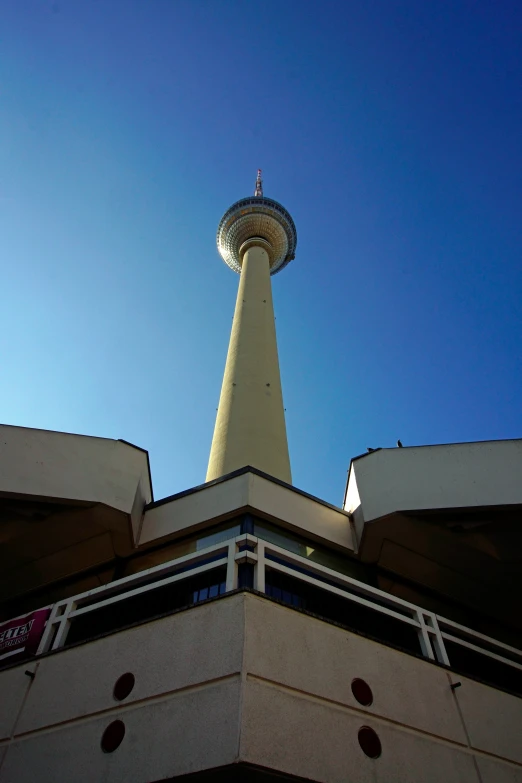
<point x="256" y="237"/>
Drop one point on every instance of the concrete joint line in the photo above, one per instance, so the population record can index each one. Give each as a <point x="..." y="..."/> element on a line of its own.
<point x="121" y="708"/>
<point x="22" y="705"/>
<point x="383" y="721"/>
<point x="243" y="680"/>
<point x="463" y="723"/>
<point x="7" y="741"/>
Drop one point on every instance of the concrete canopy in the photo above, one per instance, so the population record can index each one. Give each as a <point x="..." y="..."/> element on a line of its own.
<point x="67" y="503"/>
<point x="446" y="517"/>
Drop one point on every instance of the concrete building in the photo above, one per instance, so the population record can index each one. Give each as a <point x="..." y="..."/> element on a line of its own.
<point x="244" y="629"/>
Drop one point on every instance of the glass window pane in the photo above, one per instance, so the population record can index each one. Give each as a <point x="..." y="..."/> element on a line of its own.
<point x="311" y="551"/>
<point x="188" y="546"/>
<point x="230" y="530"/>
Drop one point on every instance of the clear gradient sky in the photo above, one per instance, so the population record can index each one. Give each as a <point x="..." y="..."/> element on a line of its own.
<point x="391" y="130"/>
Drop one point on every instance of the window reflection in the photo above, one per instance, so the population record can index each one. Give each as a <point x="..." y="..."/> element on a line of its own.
<point x="209" y="592"/>
<point x="188" y="546"/>
<point x="308" y="549"/>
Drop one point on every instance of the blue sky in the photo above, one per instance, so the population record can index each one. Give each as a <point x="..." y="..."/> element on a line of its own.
<point x="392" y="133"/>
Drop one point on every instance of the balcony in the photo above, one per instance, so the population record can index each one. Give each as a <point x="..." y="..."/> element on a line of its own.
<point x="248" y="562"/>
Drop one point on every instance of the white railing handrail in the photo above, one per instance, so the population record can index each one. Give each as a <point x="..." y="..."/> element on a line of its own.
<point x="432" y="629"/>
<point x="359" y="586"/>
<point x="64" y="611"/>
<point x="142" y="576"/>
<point x="481" y="650"/>
<point x="383" y="596"/>
<point x="344" y="594"/>
<point x="444" y="622"/>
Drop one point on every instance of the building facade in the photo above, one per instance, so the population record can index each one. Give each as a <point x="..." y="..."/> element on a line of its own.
<point x="244" y="629"/>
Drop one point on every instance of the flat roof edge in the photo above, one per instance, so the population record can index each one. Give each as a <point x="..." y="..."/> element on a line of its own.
<point x="235" y="474"/>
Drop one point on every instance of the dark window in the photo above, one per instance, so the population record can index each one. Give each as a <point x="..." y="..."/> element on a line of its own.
<point x="351" y="615"/>
<point x="312" y="551"/>
<point x="210" y="591"/>
<point x="147" y="605"/>
<point x="488" y="669"/>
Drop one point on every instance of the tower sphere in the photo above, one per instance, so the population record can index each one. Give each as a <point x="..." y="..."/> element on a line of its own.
<point x="261" y="217"/>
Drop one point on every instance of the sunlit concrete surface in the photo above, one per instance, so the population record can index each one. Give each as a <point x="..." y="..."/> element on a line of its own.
<point x="67" y="503"/>
<point x="189" y="511"/>
<point x="244" y="679"/>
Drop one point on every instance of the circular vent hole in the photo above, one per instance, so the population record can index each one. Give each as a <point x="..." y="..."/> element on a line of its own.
<point x="369" y="742"/>
<point x="362" y="692"/>
<point x="124" y="686"/>
<point x="113" y="736"/>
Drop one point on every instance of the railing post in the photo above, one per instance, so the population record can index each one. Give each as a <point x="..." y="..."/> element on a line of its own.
<point x="58" y="619"/>
<point x="63" y="627"/>
<point x="231" y="583"/>
<point x="437" y="640"/>
<point x="46" y="640"/>
<point x="259" y="567"/>
<point x="424" y="637"/>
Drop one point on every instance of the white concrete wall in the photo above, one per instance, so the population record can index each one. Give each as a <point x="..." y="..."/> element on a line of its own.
<point x="164" y="737"/>
<point x="178" y="652"/>
<point x="182" y="716"/>
<point x="493" y="720"/>
<point x="300" y="716"/>
<point x="457" y="475"/>
<point x="313" y="739"/>
<point x="245" y="679"/>
<point x="188" y="513"/>
<point x="14" y="685"/>
<point x="301" y="513"/>
<point x="321" y="660"/>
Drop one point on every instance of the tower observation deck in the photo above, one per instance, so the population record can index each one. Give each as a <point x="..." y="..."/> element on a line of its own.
<point x="256" y="237"/>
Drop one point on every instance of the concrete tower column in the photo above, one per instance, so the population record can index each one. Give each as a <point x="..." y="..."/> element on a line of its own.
<point x="257" y="238"/>
<point x="250" y="425"/>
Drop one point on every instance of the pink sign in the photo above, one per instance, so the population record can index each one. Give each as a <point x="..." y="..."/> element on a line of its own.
<point x="22" y="635"/>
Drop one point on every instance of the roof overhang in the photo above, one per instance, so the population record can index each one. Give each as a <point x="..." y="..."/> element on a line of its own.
<point x="67" y="503"/>
<point x="446" y="517"/>
<point x="423" y="478"/>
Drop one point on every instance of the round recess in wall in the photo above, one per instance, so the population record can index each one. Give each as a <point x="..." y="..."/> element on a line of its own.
<point x="113" y="736"/>
<point x="369" y="742"/>
<point x="124" y="685"/>
<point x="362" y="692"/>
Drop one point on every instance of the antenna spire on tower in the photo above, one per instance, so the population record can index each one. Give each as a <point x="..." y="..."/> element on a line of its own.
<point x="259" y="184"/>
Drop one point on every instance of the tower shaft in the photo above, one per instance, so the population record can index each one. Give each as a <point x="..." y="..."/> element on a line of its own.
<point x="250" y="424"/>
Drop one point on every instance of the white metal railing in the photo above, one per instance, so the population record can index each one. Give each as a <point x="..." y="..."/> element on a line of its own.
<point x="64" y="612"/>
<point x="468" y="634"/>
<point x="432" y="629"/>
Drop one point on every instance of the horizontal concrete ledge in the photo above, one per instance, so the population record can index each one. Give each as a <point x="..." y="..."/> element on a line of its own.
<point x="247" y="489"/>
<point x="422" y="478"/>
<point x="241" y="472"/>
<point x="60" y="466"/>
